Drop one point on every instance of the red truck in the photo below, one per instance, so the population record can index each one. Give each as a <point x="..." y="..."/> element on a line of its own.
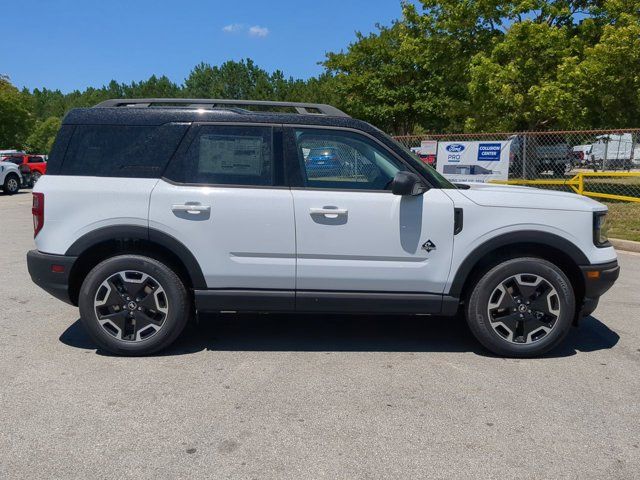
<point x="36" y="163"/>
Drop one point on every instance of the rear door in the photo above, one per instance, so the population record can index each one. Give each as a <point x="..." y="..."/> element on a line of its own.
<point x="223" y="196"/>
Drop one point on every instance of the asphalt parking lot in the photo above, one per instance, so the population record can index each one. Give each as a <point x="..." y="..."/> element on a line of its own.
<point x="271" y="396"/>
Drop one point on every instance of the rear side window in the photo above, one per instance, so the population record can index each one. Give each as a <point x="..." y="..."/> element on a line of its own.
<point x="121" y="150"/>
<point x="226" y="155"/>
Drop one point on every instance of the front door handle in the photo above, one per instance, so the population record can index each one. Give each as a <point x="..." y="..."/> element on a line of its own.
<point x="331" y="212"/>
<point x="193" y="209"/>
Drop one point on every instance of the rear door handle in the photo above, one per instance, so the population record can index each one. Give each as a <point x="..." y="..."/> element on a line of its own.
<point x="192" y="209"/>
<point x="328" y="212"/>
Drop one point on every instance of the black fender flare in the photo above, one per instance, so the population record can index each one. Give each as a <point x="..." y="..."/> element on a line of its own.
<point x="544" y="239"/>
<point x="137" y="232"/>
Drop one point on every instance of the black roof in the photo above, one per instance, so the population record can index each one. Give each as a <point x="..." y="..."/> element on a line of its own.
<point x="166" y="114"/>
<point x="158" y="111"/>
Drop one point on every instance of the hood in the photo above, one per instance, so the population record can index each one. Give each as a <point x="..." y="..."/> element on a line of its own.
<point x="9" y="166"/>
<point x="515" y="196"/>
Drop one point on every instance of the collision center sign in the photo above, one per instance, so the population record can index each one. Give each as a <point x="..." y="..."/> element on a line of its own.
<point x="473" y="161"/>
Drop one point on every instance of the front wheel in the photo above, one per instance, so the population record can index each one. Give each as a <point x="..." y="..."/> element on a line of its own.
<point x="36" y="176"/>
<point x="11" y="184"/>
<point x="133" y="305"/>
<point x="522" y="307"/>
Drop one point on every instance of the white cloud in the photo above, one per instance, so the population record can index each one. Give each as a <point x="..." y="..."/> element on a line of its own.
<point x="233" y="28"/>
<point x="258" y="31"/>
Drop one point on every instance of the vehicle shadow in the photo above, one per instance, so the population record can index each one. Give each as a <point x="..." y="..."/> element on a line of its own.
<point x="18" y="193"/>
<point x="345" y="333"/>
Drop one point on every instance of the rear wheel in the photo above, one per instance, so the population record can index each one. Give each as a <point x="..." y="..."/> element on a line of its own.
<point x="133" y="305"/>
<point x="11" y="184"/>
<point x="521" y="307"/>
<point x="36" y="176"/>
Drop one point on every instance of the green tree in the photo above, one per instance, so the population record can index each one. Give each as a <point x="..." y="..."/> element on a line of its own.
<point x="15" y="119"/>
<point x="41" y="138"/>
<point x="494" y="64"/>
<point x="376" y="81"/>
<point x="154" y="87"/>
<point x="415" y="73"/>
<point x="602" y="88"/>
<point x="506" y="84"/>
<point x="231" y="80"/>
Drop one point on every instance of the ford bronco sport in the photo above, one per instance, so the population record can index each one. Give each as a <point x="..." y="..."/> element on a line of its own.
<point x="155" y="209"/>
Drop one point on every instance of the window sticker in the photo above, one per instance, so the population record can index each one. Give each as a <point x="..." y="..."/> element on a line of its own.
<point x="231" y="155"/>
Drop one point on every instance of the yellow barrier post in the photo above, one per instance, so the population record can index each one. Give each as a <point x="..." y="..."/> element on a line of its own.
<point x="576" y="183"/>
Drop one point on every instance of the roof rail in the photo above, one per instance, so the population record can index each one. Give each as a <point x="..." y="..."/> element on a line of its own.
<point x="302" y="108"/>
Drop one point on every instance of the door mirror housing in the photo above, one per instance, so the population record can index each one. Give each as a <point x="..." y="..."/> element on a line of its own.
<point x="407" y="183"/>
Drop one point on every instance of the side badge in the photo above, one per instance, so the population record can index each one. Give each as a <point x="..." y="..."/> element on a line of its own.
<point x="428" y="246"/>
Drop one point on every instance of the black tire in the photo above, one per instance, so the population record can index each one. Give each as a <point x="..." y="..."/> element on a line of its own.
<point x="36" y="176"/>
<point x="523" y="340"/>
<point x="11" y="184"/>
<point x="175" y="299"/>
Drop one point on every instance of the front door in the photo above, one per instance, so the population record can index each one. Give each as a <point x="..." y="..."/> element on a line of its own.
<point x="353" y="234"/>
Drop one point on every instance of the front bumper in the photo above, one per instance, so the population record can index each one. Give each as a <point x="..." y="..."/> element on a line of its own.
<point x="51" y="273"/>
<point x="597" y="280"/>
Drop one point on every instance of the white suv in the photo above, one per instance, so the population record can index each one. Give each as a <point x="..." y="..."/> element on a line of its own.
<point x="10" y="178"/>
<point x="154" y="209"/>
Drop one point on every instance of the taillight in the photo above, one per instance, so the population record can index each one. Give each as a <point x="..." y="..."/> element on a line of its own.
<point x="37" y="210"/>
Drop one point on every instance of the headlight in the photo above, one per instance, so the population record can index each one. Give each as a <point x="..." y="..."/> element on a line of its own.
<point x="600" y="229"/>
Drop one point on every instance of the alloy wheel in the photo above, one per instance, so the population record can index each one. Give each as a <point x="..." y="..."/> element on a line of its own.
<point x="523" y="308"/>
<point x="12" y="185"/>
<point x="131" y="305"/>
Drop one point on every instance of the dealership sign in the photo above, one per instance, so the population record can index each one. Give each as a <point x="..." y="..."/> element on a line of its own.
<point x="473" y="161"/>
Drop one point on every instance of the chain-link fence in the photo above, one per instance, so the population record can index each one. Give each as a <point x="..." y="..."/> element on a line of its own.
<point x="564" y="160"/>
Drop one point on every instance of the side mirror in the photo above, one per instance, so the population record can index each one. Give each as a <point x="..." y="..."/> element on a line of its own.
<point x="407" y="183"/>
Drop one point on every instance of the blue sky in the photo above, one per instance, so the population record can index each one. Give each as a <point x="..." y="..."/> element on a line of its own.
<point x="71" y="44"/>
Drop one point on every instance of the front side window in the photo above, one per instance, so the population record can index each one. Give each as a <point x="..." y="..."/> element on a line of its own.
<point x="227" y="155"/>
<point x="35" y="160"/>
<point x="344" y="160"/>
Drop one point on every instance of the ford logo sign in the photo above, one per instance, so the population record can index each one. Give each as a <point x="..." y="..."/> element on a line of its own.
<point x="455" y="147"/>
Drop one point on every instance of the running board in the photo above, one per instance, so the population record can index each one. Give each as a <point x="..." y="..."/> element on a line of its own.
<point x="314" y="301"/>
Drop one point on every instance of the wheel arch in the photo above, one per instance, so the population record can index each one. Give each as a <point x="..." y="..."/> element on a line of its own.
<point x="11" y="173"/>
<point x="98" y="245"/>
<point x="551" y="247"/>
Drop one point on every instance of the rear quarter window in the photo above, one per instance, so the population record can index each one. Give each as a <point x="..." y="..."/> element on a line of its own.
<point x="56" y="156"/>
<point x="121" y="150"/>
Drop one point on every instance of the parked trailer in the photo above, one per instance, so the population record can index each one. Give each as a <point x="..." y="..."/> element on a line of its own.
<point x="613" y="152"/>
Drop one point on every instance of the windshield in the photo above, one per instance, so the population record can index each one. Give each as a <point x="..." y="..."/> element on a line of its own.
<point x="427" y="170"/>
